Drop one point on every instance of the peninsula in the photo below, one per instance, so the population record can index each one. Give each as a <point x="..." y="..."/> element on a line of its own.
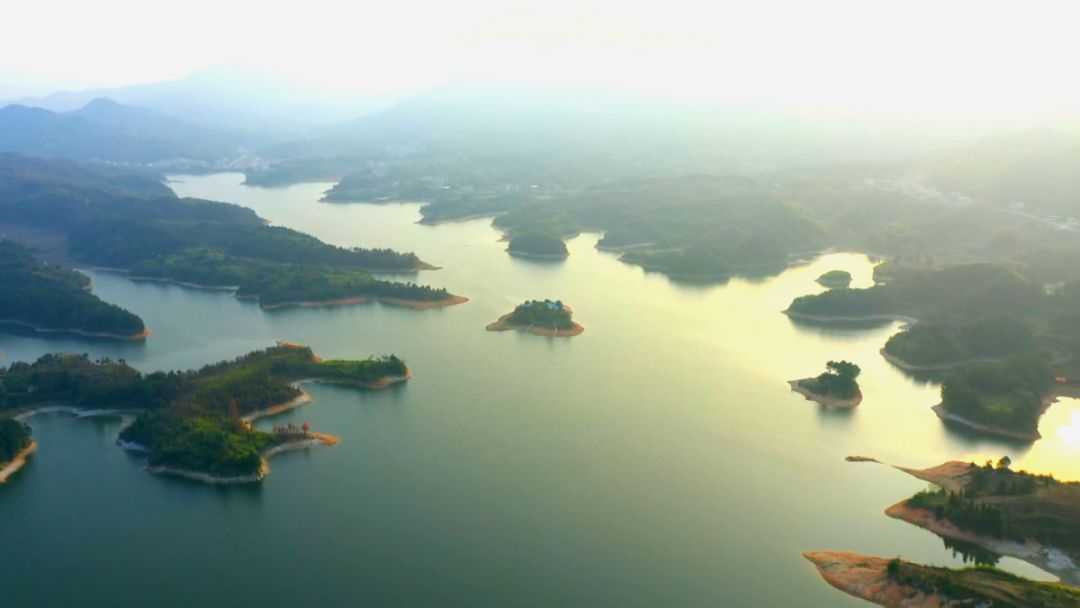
<point x="140" y="227"/>
<point x="835" y="387"/>
<point x="197" y="423"/>
<point x="897" y="583"/>
<point x="1006" y="398"/>
<point x="944" y="344"/>
<point x="540" y="317"/>
<point x="50" y="298"/>
<point x="1035" y="518"/>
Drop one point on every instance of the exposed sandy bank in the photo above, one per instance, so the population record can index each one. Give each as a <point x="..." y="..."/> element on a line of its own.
<point x="867" y="578"/>
<point x="843" y="404"/>
<point x="503" y="324"/>
<point x="12" y="466"/>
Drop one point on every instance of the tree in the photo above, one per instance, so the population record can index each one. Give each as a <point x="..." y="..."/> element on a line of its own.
<point x="846" y="370"/>
<point x="894" y="567"/>
<point x="1004" y="463"/>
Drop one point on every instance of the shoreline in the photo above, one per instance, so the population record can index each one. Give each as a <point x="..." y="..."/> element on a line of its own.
<point x="137" y="337"/>
<point x="126" y="416"/>
<point x="122" y="414"/>
<point x="302" y="399"/>
<point x="908" y="321"/>
<point x="621" y="248"/>
<point x="938" y="367"/>
<point x="660" y="269"/>
<point x="451" y="300"/>
<point x="450" y="220"/>
<point x="867" y="578"/>
<point x="952" y="477"/>
<point x="17" y="462"/>
<point x="836" y="402"/>
<point x="1046" y="558"/>
<point x="311" y="441"/>
<point x="168" y="281"/>
<point x="503" y="324"/>
<point x="538" y="256"/>
<point x="943" y="413"/>
<point x="375" y="385"/>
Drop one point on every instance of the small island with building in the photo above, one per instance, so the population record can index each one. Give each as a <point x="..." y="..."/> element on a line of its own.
<point x="835" y="387"/>
<point x="540" y="317"/>
<point x="835" y="279"/>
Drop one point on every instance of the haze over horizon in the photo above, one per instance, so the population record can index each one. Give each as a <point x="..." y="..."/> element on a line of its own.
<point x="962" y="57"/>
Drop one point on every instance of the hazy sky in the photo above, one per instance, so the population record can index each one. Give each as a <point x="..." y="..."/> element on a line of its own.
<point x="954" y="52"/>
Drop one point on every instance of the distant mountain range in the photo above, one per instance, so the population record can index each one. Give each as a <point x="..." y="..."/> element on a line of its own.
<point x="107" y="131"/>
<point x="231" y="96"/>
<point x="516" y="133"/>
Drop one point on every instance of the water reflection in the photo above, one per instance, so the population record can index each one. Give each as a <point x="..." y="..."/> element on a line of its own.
<point x="971" y="553"/>
<point x="852" y="324"/>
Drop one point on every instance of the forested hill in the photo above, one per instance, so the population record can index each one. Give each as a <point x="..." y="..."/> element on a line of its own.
<point x="52" y="297"/>
<point x="115" y="220"/>
<point x="107" y="131"/>
<point x="191" y="418"/>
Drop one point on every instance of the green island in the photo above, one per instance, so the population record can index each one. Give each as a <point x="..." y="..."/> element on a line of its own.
<point x="835" y="278"/>
<point x="195" y="423"/>
<point x="897" y="583"/>
<point x="835" y="387"/>
<point x="51" y="298"/>
<point x="537" y="245"/>
<point x="277" y="285"/>
<point x="135" y="224"/>
<point x="1035" y="518"/>
<point x="540" y="317"/>
<point x="1004" y="398"/>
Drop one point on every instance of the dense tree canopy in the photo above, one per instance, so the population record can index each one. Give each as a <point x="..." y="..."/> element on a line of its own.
<point x="133" y="223"/>
<point x="14" y="437"/>
<point x="192" y="418"/>
<point x="53" y="297"/>
<point x="838" y="380"/>
<point x="1006" y="395"/>
<point x="535" y="243"/>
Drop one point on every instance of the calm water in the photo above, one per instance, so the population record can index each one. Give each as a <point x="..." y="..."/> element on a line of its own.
<point x="659" y="458"/>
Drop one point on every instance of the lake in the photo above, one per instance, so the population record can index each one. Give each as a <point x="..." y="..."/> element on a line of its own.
<point x="660" y="458"/>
